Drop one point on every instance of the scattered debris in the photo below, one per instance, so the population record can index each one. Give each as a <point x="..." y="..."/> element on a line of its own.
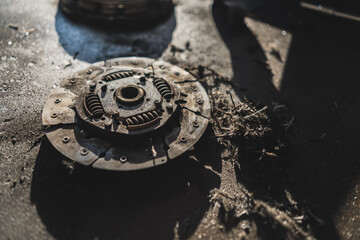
<point x="29" y="31"/>
<point x="322" y="136"/>
<point x="208" y="76"/>
<point x="262" y="132"/>
<point x="70" y="165"/>
<point x="280" y="219"/>
<point x="8" y="119"/>
<point x="187" y="46"/>
<point x="13" y="140"/>
<point x="290" y="123"/>
<point x="69" y="64"/>
<point x="174" y="49"/>
<point x="319" y="220"/>
<point x="22" y="180"/>
<point x="242" y="212"/>
<point x="13" y="185"/>
<point x="13" y="26"/>
<point x="176" y="231"/>
<point x="75" y="55"/>
<point x="258" y="128"/>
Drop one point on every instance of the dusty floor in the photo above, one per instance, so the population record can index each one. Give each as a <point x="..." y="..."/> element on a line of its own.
<point x="308" y="62"/>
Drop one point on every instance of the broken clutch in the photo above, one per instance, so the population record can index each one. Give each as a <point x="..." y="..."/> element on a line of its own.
<point x="126" y="114"/>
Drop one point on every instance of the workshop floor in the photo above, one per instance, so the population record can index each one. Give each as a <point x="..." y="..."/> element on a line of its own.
<point x="306" y="61"/>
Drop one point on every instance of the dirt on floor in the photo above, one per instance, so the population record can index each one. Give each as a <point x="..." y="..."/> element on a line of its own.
<point x="278" y="161"/>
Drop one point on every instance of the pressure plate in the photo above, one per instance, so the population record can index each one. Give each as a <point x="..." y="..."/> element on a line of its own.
<point x="126" y="114"/>
<point x="131" y="11"/>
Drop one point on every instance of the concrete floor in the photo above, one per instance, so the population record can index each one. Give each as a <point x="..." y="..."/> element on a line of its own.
<point x="309" y="62"/>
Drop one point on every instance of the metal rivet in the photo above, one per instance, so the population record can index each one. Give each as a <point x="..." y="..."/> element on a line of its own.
<point x="108" y="123"/>
<point x="123" y="159"/>
<point x="199" y="101"/>
<point x="84" y="152"/>
<point x="89" y="71"/>
<point x="92" y="86"/>
<point x="54" y="115"/>
<point x="183" y="139"/>
<point x="194" y="88"/>
<point x="58" y="100"/>
<point x="66" y="139"/>
<point x="195" y="124"/>
<point x="169" y="107"/>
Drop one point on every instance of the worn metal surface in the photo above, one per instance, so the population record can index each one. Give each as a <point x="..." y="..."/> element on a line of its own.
<point x="117" y="10"/>
<point x="92" y="117"/>
<point x="315" y="71"/>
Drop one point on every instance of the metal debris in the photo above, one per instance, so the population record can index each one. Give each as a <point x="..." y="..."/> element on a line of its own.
<point x="127" y="114"/>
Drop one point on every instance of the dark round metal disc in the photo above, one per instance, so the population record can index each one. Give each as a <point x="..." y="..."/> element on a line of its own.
<point x="126" y="114"/>
<point x="129" y="11"/>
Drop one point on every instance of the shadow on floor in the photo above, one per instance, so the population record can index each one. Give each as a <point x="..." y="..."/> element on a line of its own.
<point x="320" y="86"/>
<point x="97" y="204"/>
<point x="93" y="43"/>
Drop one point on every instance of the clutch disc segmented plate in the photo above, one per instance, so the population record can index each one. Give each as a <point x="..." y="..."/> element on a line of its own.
<point x="126" y="114"/>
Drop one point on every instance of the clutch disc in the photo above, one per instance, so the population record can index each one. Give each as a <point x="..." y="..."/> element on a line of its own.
<point x="130" y="11"/>
<point x="126" y="114"/>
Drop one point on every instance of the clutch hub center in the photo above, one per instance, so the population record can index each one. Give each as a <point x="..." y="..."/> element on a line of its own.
<point x="130" y="95"/>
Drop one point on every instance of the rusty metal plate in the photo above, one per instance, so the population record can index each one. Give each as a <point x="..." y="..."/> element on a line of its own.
<point x="59" y="108"/>
<point x="133" y="11"/>
<point x="127" y="114"/>
<point x="74" y="144"/>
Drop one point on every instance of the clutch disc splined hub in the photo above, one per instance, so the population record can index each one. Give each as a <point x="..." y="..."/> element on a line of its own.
<point x="126" y="114"/>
